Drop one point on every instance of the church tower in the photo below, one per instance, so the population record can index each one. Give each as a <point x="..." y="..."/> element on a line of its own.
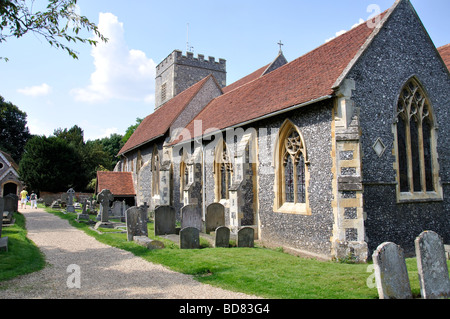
<point x="177" y="72"/>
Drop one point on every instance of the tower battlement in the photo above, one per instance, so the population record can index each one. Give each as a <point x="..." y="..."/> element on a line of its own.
<point x="177" y="72"/>
<point x="177" y="57"/>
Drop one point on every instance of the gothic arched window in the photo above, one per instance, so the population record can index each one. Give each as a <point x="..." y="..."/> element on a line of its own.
<point x="291" y="171"/>
<point x="417" y="168"/>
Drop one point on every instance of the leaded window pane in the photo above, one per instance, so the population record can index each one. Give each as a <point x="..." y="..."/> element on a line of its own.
<point x="289" y="179"/>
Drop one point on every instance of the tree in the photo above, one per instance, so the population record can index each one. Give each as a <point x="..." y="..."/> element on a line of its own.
<point x="50" y="164"/>
<point x="131" y="129"/>
<point x="58" y="22"/>
<point x="14" y="133"/>
<point x="111" y="146"/>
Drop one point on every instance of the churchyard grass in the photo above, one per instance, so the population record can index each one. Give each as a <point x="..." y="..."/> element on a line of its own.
<point x="23" y="256"/>
<point x="268" y="273"/>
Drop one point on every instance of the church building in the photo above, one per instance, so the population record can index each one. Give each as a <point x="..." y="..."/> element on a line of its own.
<point x="9" y="178"/>
<point x="328" y="156"/>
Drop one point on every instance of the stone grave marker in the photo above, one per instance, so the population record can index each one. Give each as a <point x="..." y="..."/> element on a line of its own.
<point x="136" y="220"/>
<point x="215" y="217"/>
<point x="1" y="215"/>
<point x="189" y="238"/>
<point x="10" y="203"/>
<point x="84" y="214"/>
<point x="164" y="220"/>
<point x="222" y="237"/>
<point x="104" y="197"/>
<point x="116" y="209"/>
<point x="246" y="237"/>
<point x="70" y="194"/>
<point x="191" y="216"/>
<point x="432" y="266"/>
<point x="145" y="208"/>
<point x="3" y="240"/>
<point x="391" y="274"/>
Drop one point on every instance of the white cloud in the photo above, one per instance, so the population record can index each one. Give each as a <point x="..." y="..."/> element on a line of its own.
<point x="120" y="73"/>
<point x="37" y="90"/>
<point x="339" y="33"/>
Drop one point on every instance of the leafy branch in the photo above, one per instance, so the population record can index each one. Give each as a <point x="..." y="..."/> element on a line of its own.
<point x="58" y="24"/>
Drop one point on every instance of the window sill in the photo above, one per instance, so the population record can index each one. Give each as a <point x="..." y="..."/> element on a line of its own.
<point x="408" y="197"/>
<point x="294" y="209"/>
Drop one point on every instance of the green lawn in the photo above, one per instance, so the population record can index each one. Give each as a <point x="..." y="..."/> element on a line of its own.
<point x="23" y="256"/>
<point x="259" y="271"/>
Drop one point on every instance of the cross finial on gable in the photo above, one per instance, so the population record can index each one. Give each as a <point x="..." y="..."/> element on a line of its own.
<point x="280" y="44"/>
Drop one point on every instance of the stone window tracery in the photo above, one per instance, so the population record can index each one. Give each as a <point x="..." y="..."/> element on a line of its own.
<point x="291" y="172"/>
<point x="417" y="171"/>
<point x="294" y="169"/>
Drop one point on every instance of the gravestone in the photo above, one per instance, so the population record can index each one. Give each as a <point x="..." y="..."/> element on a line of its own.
<point x="83" y="214"/>
<point x="189" y="238"/>
<point x="10" y="203"/>
<point x="56" y="204"/>
<point x="191" y="216"/>
<point x="222" y="237"/>
<point x="116" y="209"/>
<point x="246" y="237"/>
<point x="104" y="198"/>
<point x="1" y="215"/>
<point x="92" y="204"/>
<point x="70" y="194"/>
<point x="391" y="274"/>
<point x="215" y="217"/>
<point x="136" y="219"/>
<point x="164" y="220"/>
<point x="432" y="266"/>
<point x="3" y="240"/>
<point x="145" y="208"/>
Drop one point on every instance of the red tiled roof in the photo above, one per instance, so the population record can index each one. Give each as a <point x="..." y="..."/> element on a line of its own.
<point x="157" y="123"/>
<point x="444" y="51"/>
<point x="308" y="78"/>
<point x="119" y="183"/>
<point x="252" y="76"/>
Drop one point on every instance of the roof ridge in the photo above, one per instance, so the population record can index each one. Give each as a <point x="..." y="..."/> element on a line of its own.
<point x="194" y="89"/>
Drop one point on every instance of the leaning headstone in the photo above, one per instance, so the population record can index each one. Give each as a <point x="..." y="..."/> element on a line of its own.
<point x="104" y="197"/>
<point x="136" y="219"/>
<point x="215" y="217"/>
<point x="246" y="237"/>
<point x="191" y="216"/>
<point x="56" y="205"/>
<point x="164" y="220"/>
<point x="391" y="274"/>
<point x="432" y="266"/>
<point x="70" y="194"/>
<point x="189" y="238"/>
<point x="222" y="237"/>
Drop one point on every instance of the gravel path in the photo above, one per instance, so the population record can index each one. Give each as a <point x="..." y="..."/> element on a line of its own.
<point x="106" y="272"/>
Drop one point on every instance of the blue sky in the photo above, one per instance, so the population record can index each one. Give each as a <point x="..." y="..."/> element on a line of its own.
<point x="110" y="86"/>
